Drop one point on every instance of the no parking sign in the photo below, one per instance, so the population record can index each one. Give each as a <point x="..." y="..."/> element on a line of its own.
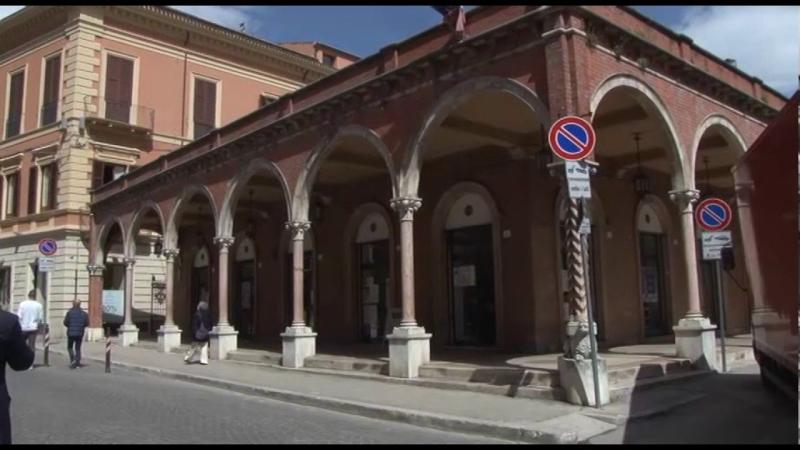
<point x="571" y="138"/>
<point x="713" y="214"/>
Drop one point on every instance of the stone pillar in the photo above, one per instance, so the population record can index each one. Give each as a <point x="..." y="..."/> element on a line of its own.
<point x="95" y="330"/>
<point x="299" y="341"/>
<point x="128" y="332"/>
<point x="409" y="345"/>
<point x="169" y="335"/>
<point x="694" y="334"/>
<point x="223" y="336"/>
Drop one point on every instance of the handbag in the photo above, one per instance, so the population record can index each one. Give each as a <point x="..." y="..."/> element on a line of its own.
<point x="202" y="332"/>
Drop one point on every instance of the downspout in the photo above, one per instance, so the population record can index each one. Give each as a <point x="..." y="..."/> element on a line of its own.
<point x="183" y="104"/>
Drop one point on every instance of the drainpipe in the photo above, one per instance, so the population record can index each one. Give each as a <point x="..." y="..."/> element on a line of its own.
<point x="185" y="66"/>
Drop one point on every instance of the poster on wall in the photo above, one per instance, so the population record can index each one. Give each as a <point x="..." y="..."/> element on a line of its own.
<point x="464" y="276"/>
<point x="650" y="284"/>
<point x="113" y="306"/>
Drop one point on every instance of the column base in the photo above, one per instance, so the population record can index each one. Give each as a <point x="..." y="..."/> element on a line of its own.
<point x="169" y="337"/>
<point x="95" y="334"/>
<point x="128" y="335"/>
<point x="298" y="344"/>
<point x="577" y="380"/>
<point x="409" y="348"/>
<point x="695" y="339"/>
<point x="224" y="339"/>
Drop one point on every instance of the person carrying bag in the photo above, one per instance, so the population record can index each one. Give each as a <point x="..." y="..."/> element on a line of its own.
<point x="201" y="326"/>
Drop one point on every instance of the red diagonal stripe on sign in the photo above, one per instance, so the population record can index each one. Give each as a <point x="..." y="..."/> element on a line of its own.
<point x="571" y="137"/>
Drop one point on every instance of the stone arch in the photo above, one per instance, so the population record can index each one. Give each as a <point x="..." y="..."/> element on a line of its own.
<point x="171" y="235"/>
<point x="305" y="182"/>
<point x="729" y="132"/>
<point x="149" y="205"/>
<point x="449" y="102"/>
<point x="102" y="235"/>
<point x="439" y="279"/>
<point x="654" y="105"/>
<point x="236" y="186"/>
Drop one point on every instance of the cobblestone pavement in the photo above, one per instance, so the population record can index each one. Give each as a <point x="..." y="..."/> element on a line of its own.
<point x="737" y="409"/>
<point x="87" y="406"/>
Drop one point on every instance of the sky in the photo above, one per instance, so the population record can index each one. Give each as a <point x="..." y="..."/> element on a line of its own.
<point x="764" y="40"/>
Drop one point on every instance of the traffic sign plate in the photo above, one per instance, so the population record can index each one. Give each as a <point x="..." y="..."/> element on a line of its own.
<point x="571" y="138"/>
<point x="48" y="247"/>
<point x="714" y="242"/>
<point x="713" y="214"/>
<point x="47" y="264"/>
<point x="578" y="183"/>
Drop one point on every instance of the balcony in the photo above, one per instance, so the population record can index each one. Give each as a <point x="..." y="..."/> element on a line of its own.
<point x="123" y="115"/>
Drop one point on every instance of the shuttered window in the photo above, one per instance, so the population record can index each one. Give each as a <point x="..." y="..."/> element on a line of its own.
<point x="32" y="185"/>
<point x="52" y="80"/>
<point x="14" y="116"/>
<point x="205" y="107"/>
<point x="119" y="88"/>
<point x="47" y="194"/>
<point x="12" y="195"/>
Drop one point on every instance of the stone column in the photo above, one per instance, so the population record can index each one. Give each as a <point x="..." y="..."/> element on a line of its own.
<point x="409" y="345"/>
<point x="694" y="334"/>
<point x="169" y="335"/>
<point x="223" y="336"/>
<point x="299" y="341"/>
<point x="128" y="332"/>
<point x="95" y="330"/>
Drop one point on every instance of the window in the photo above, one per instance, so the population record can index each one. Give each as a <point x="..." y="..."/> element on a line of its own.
<point x="5" y="288"/>
<point x="205" y="107"/>
<point x="328" y="59"/>
<point x="265" y="99"/>
<point x="119" y="88"/>
<point x="15" y="93"/>
<point x="104" y="172"/>
<point x="48" y="189"/>
<point x="12" y="194"/>
<point x="52" y="80"/>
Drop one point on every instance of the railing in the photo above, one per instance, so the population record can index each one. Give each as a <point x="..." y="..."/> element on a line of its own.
<point x="137" y="115"/>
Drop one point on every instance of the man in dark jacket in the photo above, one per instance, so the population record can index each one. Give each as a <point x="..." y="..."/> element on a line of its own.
<point x="76" y="320"/>
<point x="15" y="352"/>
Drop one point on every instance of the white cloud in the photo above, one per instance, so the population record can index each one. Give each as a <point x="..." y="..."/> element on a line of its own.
<point x="764" y="40"/>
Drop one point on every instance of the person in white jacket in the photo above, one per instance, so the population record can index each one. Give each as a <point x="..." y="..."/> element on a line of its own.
<point x="31" y="316"/>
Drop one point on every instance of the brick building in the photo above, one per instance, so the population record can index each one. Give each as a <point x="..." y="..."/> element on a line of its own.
<point x="408" y="195"/>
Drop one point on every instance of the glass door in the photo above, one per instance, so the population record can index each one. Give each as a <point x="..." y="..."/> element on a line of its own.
<point x="373" y="282"/>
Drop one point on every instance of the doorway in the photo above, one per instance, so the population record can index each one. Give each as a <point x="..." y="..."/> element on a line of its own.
<point x="373" y="281"/>
<point x="653" y="291"/>
<point x="243" y="304"/>
<point x="201" y="282"/>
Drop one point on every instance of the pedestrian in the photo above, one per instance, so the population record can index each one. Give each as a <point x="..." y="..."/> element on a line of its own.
<point x="201" y="328"/>
<point x="15" y="352"/>
<point x="31" y="318"/>
<point x="76" y="320"/>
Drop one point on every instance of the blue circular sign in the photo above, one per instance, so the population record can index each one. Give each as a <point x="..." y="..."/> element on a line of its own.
<point x="713" y="214"/>
<point x="48" y="247"/>
<point x="571" y="138"/>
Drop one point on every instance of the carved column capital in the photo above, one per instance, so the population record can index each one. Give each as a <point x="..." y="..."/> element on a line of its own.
<point x="129" y="262"/>
<point x="298" y="229"/>
<point x="224" y="242"/>
<point x="744" y="193"/>
<point x="170" y="253"/>
<point x="684" y="198"/>
<point x="95" y="270"/>
<point x="406" y="207"/>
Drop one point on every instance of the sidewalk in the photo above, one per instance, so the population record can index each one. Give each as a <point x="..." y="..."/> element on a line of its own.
<point x="514" y="419"/>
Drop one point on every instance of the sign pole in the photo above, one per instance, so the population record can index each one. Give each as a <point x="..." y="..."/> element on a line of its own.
<point x="585" y="210"/>
<point x="721" y="300"/>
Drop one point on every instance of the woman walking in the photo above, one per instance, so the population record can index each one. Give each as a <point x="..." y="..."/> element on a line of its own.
<point x="201" y="326"/>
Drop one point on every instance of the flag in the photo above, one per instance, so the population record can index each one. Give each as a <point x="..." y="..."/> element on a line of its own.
<point x="454" y="17"/>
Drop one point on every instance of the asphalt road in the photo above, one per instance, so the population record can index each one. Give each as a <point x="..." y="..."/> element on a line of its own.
<point x="56" y="405"/>
<point x="737" y="409"/>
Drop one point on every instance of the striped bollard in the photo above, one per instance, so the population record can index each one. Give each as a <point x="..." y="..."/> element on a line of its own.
<point x="108" y="355"/>
<point x="47" y="345"/>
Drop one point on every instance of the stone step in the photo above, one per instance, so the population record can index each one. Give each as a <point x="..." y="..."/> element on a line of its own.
<point x="255" y="356"/>
<point x="490" y="375"/>
<point x="349" y="364"/>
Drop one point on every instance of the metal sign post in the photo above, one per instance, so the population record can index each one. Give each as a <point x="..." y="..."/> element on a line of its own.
<point x="585" y="212"/>
<point x="720" y="299"/>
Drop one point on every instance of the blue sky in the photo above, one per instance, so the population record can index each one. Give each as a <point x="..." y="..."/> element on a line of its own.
<point x="765" y="40"/>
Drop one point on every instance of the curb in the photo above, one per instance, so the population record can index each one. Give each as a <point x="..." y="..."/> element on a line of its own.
<point x="510" y="432"/>
<point x="622" y="419"/>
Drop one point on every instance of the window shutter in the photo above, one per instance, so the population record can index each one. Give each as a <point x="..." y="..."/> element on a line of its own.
<point x="119" y="88"/>
<point x="32" y="179"/>
<point x="53" y="186"/>
<point x="205" y="94"/>
<point x="14" y="118"/>
<point x="51" y="84"/>
<point x="97" y="174"/>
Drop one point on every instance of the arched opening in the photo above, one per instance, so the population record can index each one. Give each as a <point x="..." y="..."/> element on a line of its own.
<point x="485" y="130"/>
<point x="718" y="146"/>
<point x="255" y="211"/>
<point x="653" y="263"/>
<point x="112" y="257"/>
<point x="353" y="168"/>
<point x="594" y="257"/>
<point x="192" y="232"/>
<point x="146" y="243"/>
<point x="639" y="158"/>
